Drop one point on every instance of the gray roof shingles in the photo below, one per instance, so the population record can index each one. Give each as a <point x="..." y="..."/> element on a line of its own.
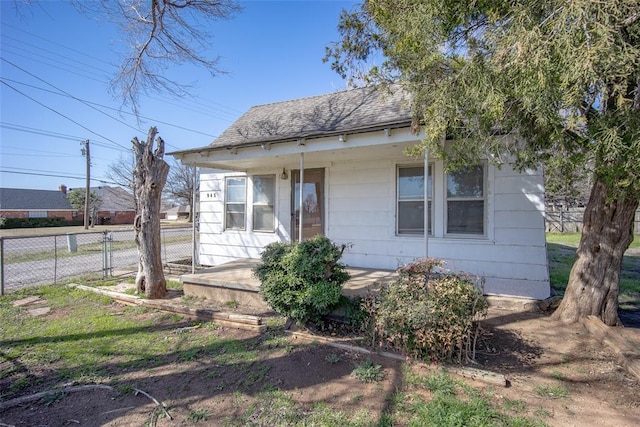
<point x="114" y="199"/>
<point x="25" y="199"/>
<point x="345" y="111"/>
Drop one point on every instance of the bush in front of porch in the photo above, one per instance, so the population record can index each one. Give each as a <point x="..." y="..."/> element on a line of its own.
<point x="427" y="314"/>
<point x="302" y="281"/>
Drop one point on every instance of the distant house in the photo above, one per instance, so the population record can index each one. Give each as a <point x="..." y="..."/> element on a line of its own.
<point x="117" y="205"/>
<point x="177" y="212"/>
<point x="26" y="203"/>
<point x="335" y="165"/>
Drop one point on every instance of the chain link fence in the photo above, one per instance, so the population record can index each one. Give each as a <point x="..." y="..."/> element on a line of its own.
<point x="36" y="260"/>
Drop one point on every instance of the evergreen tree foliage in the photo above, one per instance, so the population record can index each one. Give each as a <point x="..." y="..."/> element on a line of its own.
<point x="554" y="82"/>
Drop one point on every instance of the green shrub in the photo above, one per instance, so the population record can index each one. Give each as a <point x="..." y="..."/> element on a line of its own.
<point x="302" y="281"/>
<point x="426" y="314"/>
<point x="368" y="372"/>
<point x="33" y="222"/>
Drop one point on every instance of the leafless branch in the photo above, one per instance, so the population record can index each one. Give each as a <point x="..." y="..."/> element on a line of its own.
<point x="158" y="404"/>
<point x="160" y="34"/>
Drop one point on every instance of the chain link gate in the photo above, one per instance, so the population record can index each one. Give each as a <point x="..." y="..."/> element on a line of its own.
<point x="46" y="259"/>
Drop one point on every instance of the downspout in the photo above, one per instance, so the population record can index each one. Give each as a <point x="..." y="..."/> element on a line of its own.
<point x="301" y="197"/>
<point x="426" y="203"/>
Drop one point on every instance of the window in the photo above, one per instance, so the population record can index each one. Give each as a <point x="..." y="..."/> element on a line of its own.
<point x="465" y="201"/>
<point x="235" y="203"/>
<point x="264" y="194"/>
<point x="410" y="192"/>
<point x="37" y="214"/>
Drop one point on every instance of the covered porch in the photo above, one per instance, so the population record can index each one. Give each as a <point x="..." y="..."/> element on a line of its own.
<point x="234" y="281"/>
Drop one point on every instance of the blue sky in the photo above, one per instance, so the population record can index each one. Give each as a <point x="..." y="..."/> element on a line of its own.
<point x="56" y="66"/>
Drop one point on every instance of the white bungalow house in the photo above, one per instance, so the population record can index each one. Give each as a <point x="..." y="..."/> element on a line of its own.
<point x="361" y="189"/>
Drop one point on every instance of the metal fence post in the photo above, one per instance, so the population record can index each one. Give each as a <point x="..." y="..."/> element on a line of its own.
<point x="110" y="254"/>
<point x="55" y="259"/>
<point x="106" y="255"/>
<point x="1" y="266"/>
<point x="163" y="242"/>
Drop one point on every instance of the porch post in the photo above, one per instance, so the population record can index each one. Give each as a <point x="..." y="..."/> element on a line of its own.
<point x="426" y="203"/>
<point x="194" y="220"/>
<point x="301" y="197"/>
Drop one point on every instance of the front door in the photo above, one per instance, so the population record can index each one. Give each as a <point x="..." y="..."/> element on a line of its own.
<point x="312" y="203"/>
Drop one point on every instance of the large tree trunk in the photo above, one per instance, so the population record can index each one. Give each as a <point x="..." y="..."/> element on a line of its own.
<point x="150" y="175"/>
<point x="594" y="281"/>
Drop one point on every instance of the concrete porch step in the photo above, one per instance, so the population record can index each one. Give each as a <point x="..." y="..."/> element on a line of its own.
<point x="234" y="281"/>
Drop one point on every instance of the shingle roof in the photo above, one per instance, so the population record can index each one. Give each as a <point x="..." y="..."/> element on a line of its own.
<point x="346" y="111"/>
<point x="25" y="199"/>
<point x="114" y="199"/>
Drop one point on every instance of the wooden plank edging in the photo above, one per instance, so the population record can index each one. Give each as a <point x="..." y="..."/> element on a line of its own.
<point x="232" y="320"/>
<point x="463" y="371"/>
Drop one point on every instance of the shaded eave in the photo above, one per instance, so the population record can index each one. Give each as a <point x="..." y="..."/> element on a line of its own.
<point x="293" y="138"/>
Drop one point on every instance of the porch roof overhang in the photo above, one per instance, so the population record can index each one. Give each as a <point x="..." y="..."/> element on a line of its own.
<point x="354" y="144"/>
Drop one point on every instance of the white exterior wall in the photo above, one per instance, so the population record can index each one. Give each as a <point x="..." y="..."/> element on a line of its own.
<point x="360" y="204"/>
<point x="218" y="245"/>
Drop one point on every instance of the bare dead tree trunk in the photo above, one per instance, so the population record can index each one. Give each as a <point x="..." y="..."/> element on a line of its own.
<point x="594" y="280"/>
<point x="150" y="175"/>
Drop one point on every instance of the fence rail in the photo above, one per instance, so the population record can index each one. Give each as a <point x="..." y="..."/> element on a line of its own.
<point x="35" y="260"/>
<point x="570" y="221"/>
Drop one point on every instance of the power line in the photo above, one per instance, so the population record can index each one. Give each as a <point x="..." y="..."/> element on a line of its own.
<point x="28" y="149"/>
<point x="34" y="170"/>
<point x="55" y="43"/>
<point x="57" y="176"/>
<point x="70" y="95"/>
<point x="60" y="114"/>
<point x="197" y="110"/>
<point x="39" y="48"/>
<point x="50" y="134"/>
<point x="226" y="113"/>
<point x="112" y="108"/>
<point x="37" y="155"/>
<point x="72" y="70"/>
<point x="44" y="152"/>
<point x="231" y="110"/>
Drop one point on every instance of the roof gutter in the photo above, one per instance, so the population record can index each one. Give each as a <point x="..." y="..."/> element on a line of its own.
<point x="306" y="137"/>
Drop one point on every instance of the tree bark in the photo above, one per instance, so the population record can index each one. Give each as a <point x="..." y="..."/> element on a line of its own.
<point x="150" y="176"/>
<point x="595" y="276"/>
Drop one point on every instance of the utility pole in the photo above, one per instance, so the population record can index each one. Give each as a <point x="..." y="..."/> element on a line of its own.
<point x="85" y="152"/>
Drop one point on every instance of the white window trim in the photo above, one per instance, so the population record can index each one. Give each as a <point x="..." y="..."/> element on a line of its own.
<point x="253" y="204"/>
<point x="225" y="203"/>
<point x="37" y="214"/>
<point x="399" y="166"/>
<point x="485" y="199"/>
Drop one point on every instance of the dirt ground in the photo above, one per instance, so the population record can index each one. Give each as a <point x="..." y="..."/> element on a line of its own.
<point x="531" y="350"/>
<point x="535" y="352"/>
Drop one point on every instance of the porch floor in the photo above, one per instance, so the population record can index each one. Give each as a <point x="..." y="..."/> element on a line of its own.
<point x="234" y="281"/>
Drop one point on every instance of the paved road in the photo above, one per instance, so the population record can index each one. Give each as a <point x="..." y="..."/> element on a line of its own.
<point x="28" y="273"/>
<point x="27" y="244"/>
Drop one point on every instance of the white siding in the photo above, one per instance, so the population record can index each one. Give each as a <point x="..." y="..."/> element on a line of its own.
<point x="217" y="245"/>
<point x="360" y="211"/>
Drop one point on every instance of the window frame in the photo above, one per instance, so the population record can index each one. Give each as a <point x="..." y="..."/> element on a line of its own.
<point x="429" y="202"/>
<point x="272" y="229"/>
<point x="227" y="203"/>
<point x="483" y="199"/>
<point x="37" y="214"/>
